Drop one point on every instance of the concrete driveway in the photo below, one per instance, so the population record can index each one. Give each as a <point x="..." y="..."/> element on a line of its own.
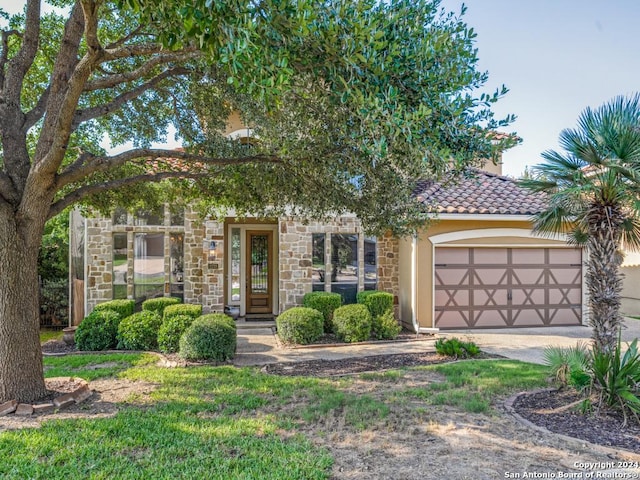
<point x="527" y="344"/>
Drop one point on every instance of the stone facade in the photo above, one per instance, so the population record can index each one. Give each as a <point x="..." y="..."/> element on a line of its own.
<point x="205" y="260"/>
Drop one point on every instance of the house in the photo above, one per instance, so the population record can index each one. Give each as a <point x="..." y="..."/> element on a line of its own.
<point x="478" y="265"/>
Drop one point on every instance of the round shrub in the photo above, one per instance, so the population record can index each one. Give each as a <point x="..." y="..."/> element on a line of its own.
<point x="300" y="325"/>
<point x="98" y="331"/>
<point x="385" y="326"/>
<point x="124" y="308"/>
<point x="159" y="304"/>
<point x="189" y="309"/>
<point x="171" y="330"/>
<point x="210" y="337"/>
<point x="377" y="302"/>
<point x="325" y="303"/>
<point x="352" y="323"/>
<point x="139" y="331"/>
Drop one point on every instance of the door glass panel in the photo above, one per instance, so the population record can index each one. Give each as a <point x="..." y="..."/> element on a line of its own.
<point x="344" y="266"/>
<point x="317" y="274"/>
<point x="259" y="264"/>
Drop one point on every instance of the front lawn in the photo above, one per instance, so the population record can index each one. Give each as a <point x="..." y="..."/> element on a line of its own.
<point x="227" y="422"/>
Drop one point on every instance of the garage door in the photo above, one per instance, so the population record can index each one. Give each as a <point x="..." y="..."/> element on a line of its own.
<point x="507" y="287"/>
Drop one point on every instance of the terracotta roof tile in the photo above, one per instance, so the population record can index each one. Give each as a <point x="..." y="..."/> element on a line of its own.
<point x="481" y="193"/>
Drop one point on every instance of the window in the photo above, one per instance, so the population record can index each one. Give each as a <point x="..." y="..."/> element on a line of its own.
<point x="318" y="273"/>
<point x="149" y="216"/>
<point x="235" y="265"/>
<point x="344" y="266"/>
<point x="119" y="265"/>
<point x="148" y="265"/>
<point x="176" y="262"/>
<point x="370" y="264"/>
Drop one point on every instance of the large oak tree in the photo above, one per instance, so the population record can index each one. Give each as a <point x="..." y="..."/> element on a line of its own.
<point x="350" y="101"/>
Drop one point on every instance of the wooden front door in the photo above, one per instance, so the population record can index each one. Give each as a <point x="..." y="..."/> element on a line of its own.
<point x="259" y="273"/>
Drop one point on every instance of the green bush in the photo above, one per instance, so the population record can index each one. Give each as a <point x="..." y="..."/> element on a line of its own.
<point x="377" y="302"/>
<point x="124" y="308"/>
<point x="189" y="309"/>
<point x="352" y="323"/>
<point x="301" y="325"/>
<point x="171" y="330"/>
<point x="385" y="326"/>
<point x="98" y="331"/>
<point x="159" y="304"/>
<point x="139" y="331"/>
<point x="569" y="366"/>
<point x="454" y="347"/>
<point x="325" y="303"/>
<point x="210" y="337"/>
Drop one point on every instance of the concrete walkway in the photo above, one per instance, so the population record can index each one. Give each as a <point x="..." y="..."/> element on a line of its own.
<point x="259" y="346"/>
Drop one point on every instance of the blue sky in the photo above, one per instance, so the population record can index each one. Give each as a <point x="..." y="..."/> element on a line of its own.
<point x="556" y="57"/>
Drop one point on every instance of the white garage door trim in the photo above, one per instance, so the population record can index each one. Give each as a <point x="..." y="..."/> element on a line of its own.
<point x="443" y="240"/>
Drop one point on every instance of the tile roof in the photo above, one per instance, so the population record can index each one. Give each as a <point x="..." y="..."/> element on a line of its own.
<point x="479" y="192"/>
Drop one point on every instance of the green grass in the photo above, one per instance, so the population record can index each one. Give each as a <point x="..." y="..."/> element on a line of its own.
<point x="47" y="334"/>
<point x="474" y="384"/>
<point x="226" y="422"/>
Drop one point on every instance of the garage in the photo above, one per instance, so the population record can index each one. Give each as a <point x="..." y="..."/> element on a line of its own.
<point x="501" y="287"/>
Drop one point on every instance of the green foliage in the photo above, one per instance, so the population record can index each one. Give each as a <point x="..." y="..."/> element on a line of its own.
<point x="616" y="379"/>
<point x="325" y="303"/>
<point x="454" y="347"/>
<point x="124" y="308"/>
<point x="159" y="304"/>
<point x="210" y="337"/>
<point x="300" y="325"/>
<point x="98" y="331"/>
<point x="569" y="366"/>
<point x="139" y="331"/>
<point x="189" y="309"/>
<point x="385" y="326"/>
<point x="54" y="300"/>
<point x="352" y="323"/>
<point x="171" y="330"/>
<point x="53" y="258"/>
<point x="377" y="302"/>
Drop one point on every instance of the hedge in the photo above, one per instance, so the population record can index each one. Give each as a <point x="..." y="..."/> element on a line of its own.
<point x="377" y="302"/>
<point x="352" y="323"/>
<point x="98" y="331"/>
<point x="325" y="303"/>
<point x="210" y="337"/>
<point x="171" y="330"/>
<point x="300" y="325"/>
<point x="188" y="309"/>
<point x="139" y="331"/>
<point x="122" y="307"/>
<point x="159" y="304"/>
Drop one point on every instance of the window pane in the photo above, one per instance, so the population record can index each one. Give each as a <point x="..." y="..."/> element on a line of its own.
<point x="344" y="266"/>
<point x="235" y="265"/>
<point x="148" y="264"/>
<point x="119" y="265"/>
<point x="176" y="241"/>
<point x="370" y="264"/>
<point x="120" y="216"/>
<point x="149" y="216"/>
<point x="177" y="215"/>
<point x="317" y="274"/>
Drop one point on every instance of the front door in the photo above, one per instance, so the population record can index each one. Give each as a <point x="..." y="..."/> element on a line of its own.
<point x="259" y="271"/>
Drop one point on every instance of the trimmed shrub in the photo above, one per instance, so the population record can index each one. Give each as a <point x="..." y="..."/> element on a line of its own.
<point x="301" y="325"/>
<point x="325" y="303"/>
<point x="188" y="309"/>
<point x="159" y="304"/>
<point x="171" y="330"/>
<point x="377" y="302"/>
<point x="124" y="308"/>
<point x="139" y="331"/>
<point x="352" y="323"/>
<point x="385" y="326"/>
<point x="210" y="337"/>
<point x="98" y="331"/>
<point x="454" y="347"/>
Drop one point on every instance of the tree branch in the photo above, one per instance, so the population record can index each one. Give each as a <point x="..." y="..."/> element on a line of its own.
<point x="4" y="55"/>
<point x="117" y="79"/>
<point x="107" y="108"/>
<point x="88" y="164"/>
<point x="96" y="188"/>
<point x="127" y="51"/>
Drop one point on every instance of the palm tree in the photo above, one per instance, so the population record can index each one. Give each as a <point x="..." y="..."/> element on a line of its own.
<point x="594" y="197"/>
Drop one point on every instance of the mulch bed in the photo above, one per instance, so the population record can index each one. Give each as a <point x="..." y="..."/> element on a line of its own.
<point x="57" y="346"/>
<point x="605" y="428"/>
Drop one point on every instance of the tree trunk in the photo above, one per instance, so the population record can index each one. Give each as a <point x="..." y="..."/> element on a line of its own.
<point x="604" y="280"/>
<point x="21" y="372"/>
